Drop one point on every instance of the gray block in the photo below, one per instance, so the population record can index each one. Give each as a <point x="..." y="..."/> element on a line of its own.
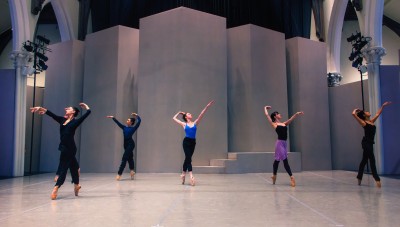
<point x="111" y="64"/>
<point x="308" y="92"/>
<point x="183" y="62"/>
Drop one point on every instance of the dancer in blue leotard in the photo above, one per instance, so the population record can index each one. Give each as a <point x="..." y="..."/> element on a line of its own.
<point x="129" y="144"/>
<point x="189" y="142"/>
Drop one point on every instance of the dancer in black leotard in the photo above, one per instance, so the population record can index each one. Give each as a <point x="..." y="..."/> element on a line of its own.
<point x="129" y="144"/>
<point x="189" y="142"/>
<point x="280" y="145"/>
<point x="68" y="125"/>
<point x="367" y="143"/>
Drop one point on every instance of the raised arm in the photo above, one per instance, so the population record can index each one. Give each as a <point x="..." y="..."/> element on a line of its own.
<point x="380" y="111"/>
<point x="197" y="121"/>
<point x="175" y="118"/>
<point x="84" y="116"/>
<point x="293" y="117"/>
<point x="266" y="108"/>
<point x="359" y="120"/>
<point x="138" y="120"/>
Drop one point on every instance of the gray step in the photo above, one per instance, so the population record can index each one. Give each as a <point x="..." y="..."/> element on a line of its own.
<point x="220" y="162"/>
<point x="209" y="169"/>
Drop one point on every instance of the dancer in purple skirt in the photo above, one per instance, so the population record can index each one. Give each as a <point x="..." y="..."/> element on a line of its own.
<point x="281" y="144"/>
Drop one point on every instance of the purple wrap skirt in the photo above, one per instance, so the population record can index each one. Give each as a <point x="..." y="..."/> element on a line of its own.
<point x="281" y="150"/>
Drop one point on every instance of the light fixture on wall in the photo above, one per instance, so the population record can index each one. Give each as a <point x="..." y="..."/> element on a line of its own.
<point x="39" y="49"/>
<point x="334" y="79"/>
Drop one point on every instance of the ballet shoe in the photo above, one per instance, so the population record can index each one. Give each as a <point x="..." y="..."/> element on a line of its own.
<point x="273" y="179"/>
<point x="292" y="181"/>
<point x="56" y="178"/>
<point x="183" y="178"/>
<point x="359" y="181"/>
<point x="378" y="184"/>
<point x="132" y="174"/>
<point x="192" y="182"/>
<point x="76" y="189"/>
<point x="118" y="177"/>
<point x="54" y="193"/>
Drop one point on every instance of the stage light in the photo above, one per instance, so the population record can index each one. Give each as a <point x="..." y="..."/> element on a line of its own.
<point x="42" y="57"/>
<point x="43" y="39"/>
<point x="28" y="47"/>
<point x="42" y="65"/>
<point x="356" y="63"/>
<point x="355" y="37"/>
<point x="354" y="54"/>
<point x="28" y="70"/>
<point x="360" y="45"/>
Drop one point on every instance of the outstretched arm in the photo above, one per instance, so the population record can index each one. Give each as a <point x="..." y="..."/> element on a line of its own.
<point x="359" y="120"/>
<point x="293" y="117"/>
<point x="84" y="116"/>
<point x="266" y="108"/>
<point x="116" y="121"/>
<point x="138" y="120"/>
<point x="197" y="121"/>
<point x="42" y="110"/>
<point x="175" y="118"/>
<point x="380" y="111"/>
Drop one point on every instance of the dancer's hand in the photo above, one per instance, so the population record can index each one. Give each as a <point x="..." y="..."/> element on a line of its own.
<point x="38" y="109"/>
<point x="134" y="114"/>
<point x="84" y="106"/>
<point x="299" y="113"/>
<point x="210" y="103"/>
<point x="386" y="104"/>
<point x="267" y="107"/>
<point x="109" y="116"/>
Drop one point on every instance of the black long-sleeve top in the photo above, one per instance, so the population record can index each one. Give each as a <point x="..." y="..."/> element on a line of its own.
<point x="67" y="132"/>
<point x="128" y="131"/>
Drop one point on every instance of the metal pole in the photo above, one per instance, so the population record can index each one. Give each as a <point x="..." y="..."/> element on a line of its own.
<point x="33" y="105"/>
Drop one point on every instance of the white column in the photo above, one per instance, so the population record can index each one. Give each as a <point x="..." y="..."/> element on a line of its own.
<point x="373" y="55"/>
<point x="21" y="59"/>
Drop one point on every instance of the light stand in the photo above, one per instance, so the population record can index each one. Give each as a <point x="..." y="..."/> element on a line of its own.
<point x="39" y="48"/>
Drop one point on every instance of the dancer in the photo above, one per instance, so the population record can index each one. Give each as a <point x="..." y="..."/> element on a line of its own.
<point x="281" y="144"/>
<point x="189" y="142"/>
<point x="129" y="144"/>
<point x="68" y="125"/>
<point x="367" y="143"/>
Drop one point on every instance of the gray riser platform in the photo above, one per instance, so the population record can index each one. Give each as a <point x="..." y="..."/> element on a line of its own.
<point x="209" y="169"/>
<point x="250" y="162"/>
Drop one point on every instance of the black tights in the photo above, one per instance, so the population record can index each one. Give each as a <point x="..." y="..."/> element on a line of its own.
<point x="368" y="153"/>
<point x="188" y="147"/>
<point x="285" y="164"/>
<point x="127" y="157"/>
<point x="67" y="161"/>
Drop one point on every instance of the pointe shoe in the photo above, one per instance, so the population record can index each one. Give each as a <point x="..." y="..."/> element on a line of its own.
<point x="76" y="189"/>
<point x="53" y="195"/>
<point x="183" y="178"/>
<point x="273" y="179"/>
<point x="118" y="177"/>
<point x="132" y="174"/>
<point x="292" y="181"/>
<point x="192" y="181"/>
<point x="359" y="181"/>
<point x="378" y="184"/>
<point x="56" y="178"/>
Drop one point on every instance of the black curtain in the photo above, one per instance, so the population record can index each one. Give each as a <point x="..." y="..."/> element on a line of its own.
<point x="291" y="17"/>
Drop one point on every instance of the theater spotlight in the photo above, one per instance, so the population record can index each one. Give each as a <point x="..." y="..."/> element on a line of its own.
<point x="355" y="37"/>
<point x="43" y="39"/>
<point x="354" y="54"/>
<point x="360" y="45"/>
<point x="28" y="46"/>
<point x="42" y="65"/>
<point x="356" y="63"/>
<point x="42" y="56"/>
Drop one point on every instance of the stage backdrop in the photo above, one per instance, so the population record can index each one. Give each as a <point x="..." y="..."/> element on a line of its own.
<point x="63" y="88"/>
<point x="111" y="60"/>
<point x="256" y="78"/>
<point x="183" y="66"/>
<point x="308" y="92"/>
